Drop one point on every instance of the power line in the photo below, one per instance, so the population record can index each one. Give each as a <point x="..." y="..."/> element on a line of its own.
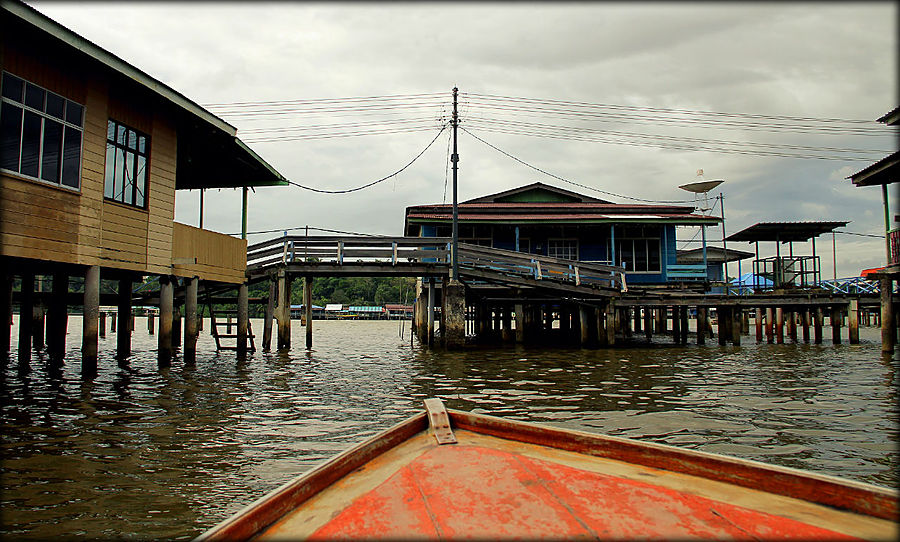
<point x="566" y="180"/>
<point x="367" y="185"/>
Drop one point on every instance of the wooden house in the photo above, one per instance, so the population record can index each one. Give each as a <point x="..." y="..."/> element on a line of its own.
<point x="543" y="219"/>
<point x="92" y="150"/>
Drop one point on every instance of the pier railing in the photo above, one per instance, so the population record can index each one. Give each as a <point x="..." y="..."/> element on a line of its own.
<point x="539" y="267"/>
<point x="346" y="249"/>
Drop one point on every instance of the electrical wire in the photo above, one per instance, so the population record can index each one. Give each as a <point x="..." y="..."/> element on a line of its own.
<point x="367" y="185"/>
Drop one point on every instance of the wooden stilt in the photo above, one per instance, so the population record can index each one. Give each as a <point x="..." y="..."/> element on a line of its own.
<point x="648" y="323"/>
<point x="792" y="324"/>
<point x="818" y="322"/>
<point x="57" y="318"/>
<point x="758" y="317"/>
<point x="243" y="321"/>
<point x="284" y="310"/>
<point x="90" y="330"/>
<point x="429" y="337"/>
<point x="702" y="314"/>
<point x="454" y="310"/>
<point x="269" y="316"/>
<point x="805" y="324"/>
<point x="599" y="318"/>
<point x="676" y="325"/>
<point x="737" y="324"/>
<point x="837" y="317"/>
<point x="722" y="314"/>
<point x="661" y="318"/>
<point x="888" y="331"/>
<point x="151" y="323"/>
<point x="6" y="308"/>
<point x="520" y="322"/>
<point x="102" y="324"/>
<point x="683" y="314"/>
<point x="611" y="322"/>
<point x="770" y="325"/>
<point x="123" y="335"/>
<point x="191" y="331"/>
<point x="507" y="333"/>
<point x="307" y="300"/>
<point x="38" y="324"/>
<point x="779" y="325"/>
<point x="853" y="322"/>
<point x="113" y="318"/>
<point x="176" y="325"/>
<point x="26" y="308"/>
<point x="166" y="316"/>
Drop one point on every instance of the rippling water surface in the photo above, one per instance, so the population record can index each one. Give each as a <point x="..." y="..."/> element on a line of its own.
<point x="142" y="452"/>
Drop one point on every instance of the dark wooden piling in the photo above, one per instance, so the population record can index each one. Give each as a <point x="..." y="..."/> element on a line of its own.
<point x="683" y="314"/>
<point x="90" y="330"/>
<point x="610" y="322"/>
<point x="818" y="323"/>
<point x="269" y="316"/>
<point x="166" y="316"/>
<point x="648" y="323"/>
<point x="520" y="322"/>
<point x="429" y="322"/>
<point x="38" y="324"/>
<point x="702" y="317"/>
<point x="243" y="321"/>
<point x="191" y="331"/>
<point x="113" y="318"/>
<point x="837" y="318"/>
<point x="102" y="323"/>
<point x="26" y="308"/>
<point x="792" y="325"/>
<point x="151" y="323"/>
<point x="454" y="311"/>
<point x="770" y="325"/>
<point x="176" y="326"/>
<point x="806" y="318"/>
<point x="758" y="317"/>
<point x="307" y="301"/>
<point x="737" y="325"/>
<point x="888" y="328"/>
<point x="676" y="325"/>
<point x="853" y="322"/>
<point x="284" y="310"/>
<point x="57" y="317"/>
<point x="6" y="312"/>
<point x="779" y="325"/>
<point x="506" y="333"/>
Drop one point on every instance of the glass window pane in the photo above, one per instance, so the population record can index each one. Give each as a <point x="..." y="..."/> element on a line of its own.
<point x="141" y="181"/>
<point x="10" y="135"/>
<point x="119" y="181"/>
<point x="109" y="179"/>
<point x="31" y="144"/>
<point x="653" y="252"/>
<point x="34" y="96"/>
<point x="640" y="255"/>
<point x="132" y="140"/>
<point x="55" y="105"/>
<point x="129" y="177"/>
<point x="142" y="144"/>
<point x="13" y="87"/>
<point x="74" y="114"/>
<point x="120" y="134"/>
<point x="110" y="130"/>
<point x="71" y="170"/>
<point x="52" y="151"/>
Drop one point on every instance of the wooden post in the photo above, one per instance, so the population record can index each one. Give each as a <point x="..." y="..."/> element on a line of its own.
<point x="429" y="338"/>
<point x="758" y="316"/>
<point x="270" y="314"/>
<point x="723" y="327"/>
<point x="611" y="322"/>
<point x="853" y="323"/>
<point x="701" y="325"/>
<point x="792" y="325"/>
<point x="626" y="319"/>
<point x="676" y="325"/>
<point x="26" y="308"/>
<point x="112" y="321"/>
<point x="103" y="323"/>
<point x="420" y="313"/>
<point x="284" y="310"/>
<point x="818" y="322"/>
<point x="38" y="324"/>
<point x="745" y="322"/>
<point x="805" y="315"/>
<point x="123" y="335"/>
<point x="90" y="332"/>
<point x="584" y="325"/>
<point x="770" y="325"/>
<point x="243" y="320"/>
<point x="888" y="331"/>
<point x="779" y="325"/>
<point x="520" y="322"/>
<point x="737" y="325"/>
<point x="151" y="323"/>
<point x="307" y="300"/>
<point x="176" y="324"/>
<point x="599" y="318"/>
<point x="166" y="316"/>
<point x="661" y="320"/>
<point x="57" y="318"/>
<point x="636" y="314"/>
<point x="837" y="318"/>
<point x="683" y="314"/>
<point x="6" y="307"/>
<point x="506" y="335"/>
<point x="191" y="285"/>
<point x="648" y="323"/>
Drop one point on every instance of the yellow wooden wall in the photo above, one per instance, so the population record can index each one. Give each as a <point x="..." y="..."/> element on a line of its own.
<point x="45" y="222"/>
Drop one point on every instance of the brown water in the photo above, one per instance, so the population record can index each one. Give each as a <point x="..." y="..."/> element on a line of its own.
<point x="139" y="452"/>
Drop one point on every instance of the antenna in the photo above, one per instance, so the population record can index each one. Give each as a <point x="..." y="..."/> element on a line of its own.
<point x="701" y="187"/>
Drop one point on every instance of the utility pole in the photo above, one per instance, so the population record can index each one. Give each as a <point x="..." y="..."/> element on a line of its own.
<point x="454" y="158"/>
<point x="724" y="245"/>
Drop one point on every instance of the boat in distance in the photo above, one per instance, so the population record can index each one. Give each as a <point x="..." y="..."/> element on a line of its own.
<point x="449" y="474"/>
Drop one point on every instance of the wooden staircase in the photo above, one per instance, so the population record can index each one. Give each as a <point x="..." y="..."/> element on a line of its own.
<point x="216" y="325"/>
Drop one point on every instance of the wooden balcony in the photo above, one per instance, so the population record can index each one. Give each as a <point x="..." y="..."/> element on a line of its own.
<point x="207" y="254"/>
<point x="894" y="237"/>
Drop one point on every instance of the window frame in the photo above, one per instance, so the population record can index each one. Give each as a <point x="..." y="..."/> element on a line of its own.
<point x="574" y="240"/>
<point x="650" y="240"/>
<point x="66" y="126"/>
<point x="124" y="149"/>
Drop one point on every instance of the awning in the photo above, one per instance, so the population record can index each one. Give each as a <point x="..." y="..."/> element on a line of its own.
<point x="785" y="231"/>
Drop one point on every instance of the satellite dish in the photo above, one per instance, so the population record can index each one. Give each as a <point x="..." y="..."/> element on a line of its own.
<point x="701" y="187"/>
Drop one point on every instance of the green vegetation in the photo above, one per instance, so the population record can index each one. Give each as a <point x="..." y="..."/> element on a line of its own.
<point x="346" y="290"/>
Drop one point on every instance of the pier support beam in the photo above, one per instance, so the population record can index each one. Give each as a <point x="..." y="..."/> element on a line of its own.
<point x="724" y="329"/>
<point x="429" y="316"/>
<point x="853" y="321"/>
<point x="38" y="323"/>
<point x="191" y="286"/>
<point x="737" y="324"/>
<point x="26" y="308"/>
<point x="151" y="323"/>
<point x="805" y="316"/>
<point x="454" y="310"/>
<point x="792" y="325"/>
<point x="520" y="322"/>
<point x="611" y="322"/>
<point x="818" y="322"/>
<point x="888" y="329"/>
<point x="758" y="317"/>
<point x="284" y="310"/>
<point x="243" y="320"/>
<point x="307" y="301"/>
<point x="507" y="333"/>
<point x="90" y="332"/>
<point x="102" y="323"/>
<point x="648" y="323"/>
<point x="837" y="317"/>
<point x="779" y="325"/>
<point x="599" y="318"/>
<point x="123" y="335"/>
<point x="702" y="313"/>
<point x="269" y="316"/>
<point x="770" y="325"/>
<point x="683" y="315"/>
<point x="676" y="325"/>
<point x="661" y="317"/>
<point x="584" y="324"/>
<point x="176" y="322"/>
<point x="6" y="307"/>
<point x="57" y="318"/>
<point x="166" y="309"/>
<point x="420" y="313"/>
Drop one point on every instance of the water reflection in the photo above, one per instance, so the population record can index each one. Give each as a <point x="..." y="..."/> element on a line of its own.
<point x="146" y="452"/>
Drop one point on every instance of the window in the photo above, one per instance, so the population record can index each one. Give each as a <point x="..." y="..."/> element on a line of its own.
<point x="40" y="133"/>
<point x="127" y="154"/>
<point x="566" y="249"/>
<point x="637" y="248"/>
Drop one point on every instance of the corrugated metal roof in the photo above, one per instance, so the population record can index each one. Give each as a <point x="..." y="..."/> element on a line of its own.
<point x="356" y="308"/>
<point x="559" y="217"/>
<point x="785" y="231"/>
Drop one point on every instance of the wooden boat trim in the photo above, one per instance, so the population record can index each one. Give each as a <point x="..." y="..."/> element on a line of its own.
<point x="264" y="511"/>
<point x="848" y="495"/>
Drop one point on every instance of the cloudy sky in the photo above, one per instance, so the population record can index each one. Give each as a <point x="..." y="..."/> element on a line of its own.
<point x="638" y="82"/>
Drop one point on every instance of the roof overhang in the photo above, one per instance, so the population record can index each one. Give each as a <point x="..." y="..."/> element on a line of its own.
<point x="713" y="255"/>
<point x="891" y="118"/>
<point x="785" y="232"/>
<point x="884" y="171"/>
